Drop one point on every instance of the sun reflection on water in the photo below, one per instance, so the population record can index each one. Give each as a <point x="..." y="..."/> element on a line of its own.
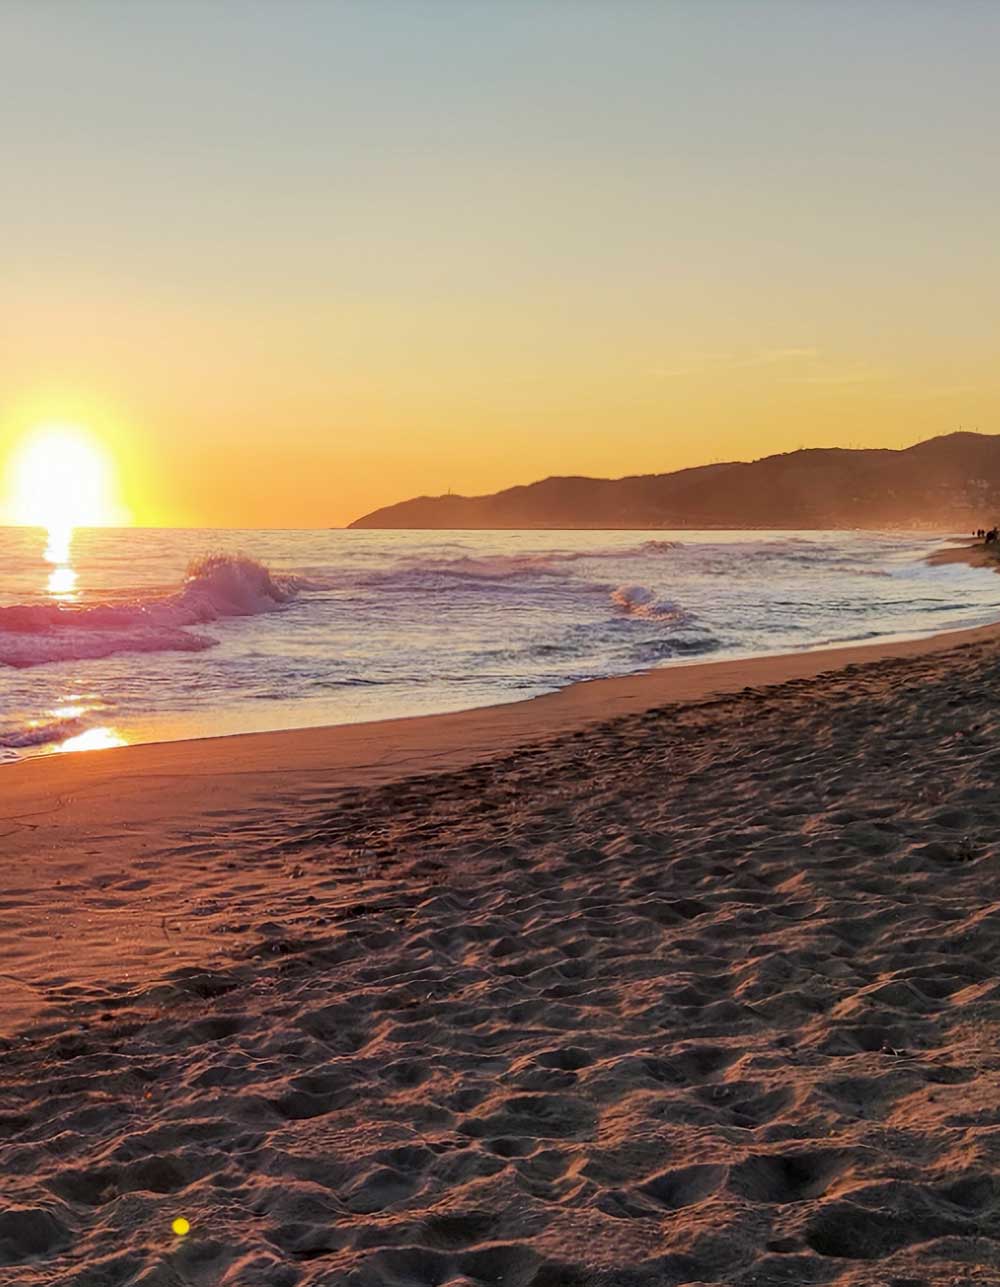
<point x="59" y="538"/>
<point x="94" y="739"/>
<point x="62" y="583"/>
<point x="58" y="551"/>
<point x="64" y="728"/>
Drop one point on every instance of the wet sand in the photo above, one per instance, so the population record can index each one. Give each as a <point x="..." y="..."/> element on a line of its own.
<point x="682" y="978"/>
<point x="976" y="553"/>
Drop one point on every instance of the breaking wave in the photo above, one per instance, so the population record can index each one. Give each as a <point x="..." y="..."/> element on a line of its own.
<point x="216" y="586"/>
<point x="40" y="733"/>
<point x="639" y="601"/>
<point x="503" y="567"/>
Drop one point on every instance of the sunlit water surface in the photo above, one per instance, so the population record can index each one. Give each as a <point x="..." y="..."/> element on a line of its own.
<point x="113" y="636"/>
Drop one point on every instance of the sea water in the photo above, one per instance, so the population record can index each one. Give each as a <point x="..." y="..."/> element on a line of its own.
<point x="136" y="635"/>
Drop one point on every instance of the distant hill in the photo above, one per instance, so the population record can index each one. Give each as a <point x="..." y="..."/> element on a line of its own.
<point x="949" y="482"/>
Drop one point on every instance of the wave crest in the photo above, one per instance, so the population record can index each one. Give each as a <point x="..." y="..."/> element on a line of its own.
<point x="640" y="601"/>
<point x="234" y="585"/>
<point x="503" y="567"/>
<point x="216" y="585"/>
<point x="42" y="732"/>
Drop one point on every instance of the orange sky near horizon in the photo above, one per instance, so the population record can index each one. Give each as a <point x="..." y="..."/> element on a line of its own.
<point x="309" y="482"/>
<point x="374" y="251"/>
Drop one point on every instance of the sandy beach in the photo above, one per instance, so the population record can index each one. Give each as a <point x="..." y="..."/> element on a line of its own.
<point x="688" y="977"/>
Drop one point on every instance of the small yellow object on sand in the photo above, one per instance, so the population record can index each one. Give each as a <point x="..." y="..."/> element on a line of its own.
<point x="181" y="1226"/>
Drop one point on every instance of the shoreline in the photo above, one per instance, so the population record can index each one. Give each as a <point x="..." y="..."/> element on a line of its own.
<point x="976" y="555"/>
<point x="578" y="704"/>
<point x="463" y="732"/>
<point x="376" y="751"/>
<point x="695" y="680"/>
<point x="170" y="731"/>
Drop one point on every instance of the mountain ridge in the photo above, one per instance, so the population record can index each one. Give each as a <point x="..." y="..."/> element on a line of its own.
<point x="949" y="480"/>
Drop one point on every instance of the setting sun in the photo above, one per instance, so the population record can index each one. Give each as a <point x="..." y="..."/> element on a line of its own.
<point x="60" y="479"/>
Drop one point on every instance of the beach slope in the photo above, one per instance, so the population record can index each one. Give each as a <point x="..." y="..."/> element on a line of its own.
<point x="684" y="978"/>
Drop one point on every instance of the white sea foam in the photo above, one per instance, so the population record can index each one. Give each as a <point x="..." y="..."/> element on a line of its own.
<point x="640" y="601"/>
<point x="40" y="732"/>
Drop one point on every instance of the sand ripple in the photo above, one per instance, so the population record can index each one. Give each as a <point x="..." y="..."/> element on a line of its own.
<point x="705" y="996"/>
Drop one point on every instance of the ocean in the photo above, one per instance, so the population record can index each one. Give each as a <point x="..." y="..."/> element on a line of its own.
<point x="134" y="635"/>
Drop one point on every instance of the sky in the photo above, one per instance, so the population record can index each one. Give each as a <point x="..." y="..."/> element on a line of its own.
<point x="290" y="261"/>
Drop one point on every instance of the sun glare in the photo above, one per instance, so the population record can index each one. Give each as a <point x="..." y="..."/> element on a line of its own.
<point x="95" y="739"/>
<point x="61" y="479"/>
